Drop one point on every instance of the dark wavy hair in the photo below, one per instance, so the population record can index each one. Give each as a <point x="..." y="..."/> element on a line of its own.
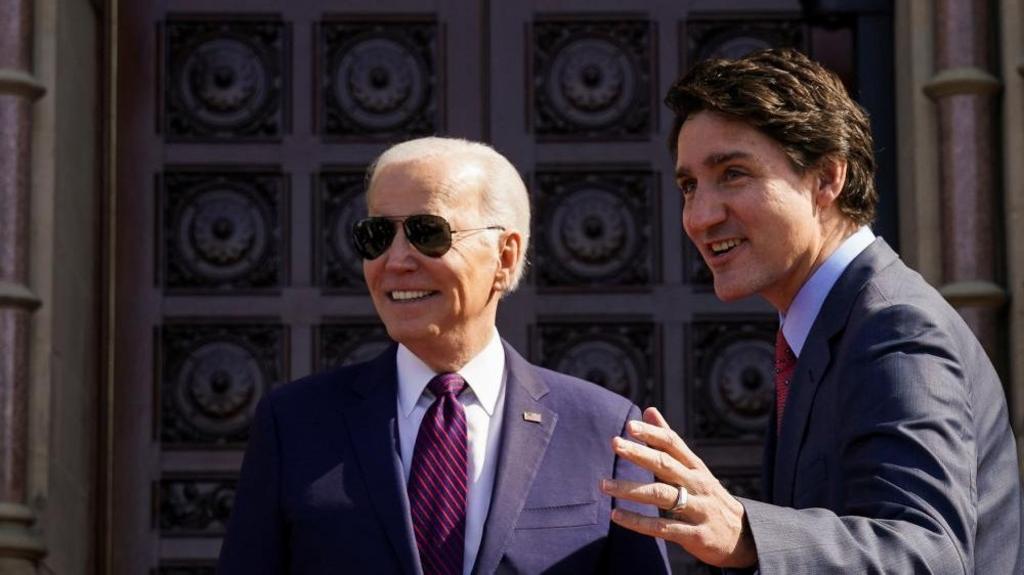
<point x="796" y="102"/>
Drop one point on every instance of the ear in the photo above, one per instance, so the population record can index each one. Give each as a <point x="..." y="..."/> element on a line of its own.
<point x="509" y="252"/>
<point x="830" y="179"/>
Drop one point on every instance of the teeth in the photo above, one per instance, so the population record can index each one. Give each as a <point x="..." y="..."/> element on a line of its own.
<point x="408" y="295"/>
<point x="724" y="246"/>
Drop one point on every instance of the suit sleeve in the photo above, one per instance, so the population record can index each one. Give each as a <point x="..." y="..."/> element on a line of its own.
<point x="631" y="552"/>
<point x="256" y="537"/>
<point x="906" y="460"/>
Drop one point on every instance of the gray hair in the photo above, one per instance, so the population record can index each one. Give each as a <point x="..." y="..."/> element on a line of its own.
<point x="505" y="200"/>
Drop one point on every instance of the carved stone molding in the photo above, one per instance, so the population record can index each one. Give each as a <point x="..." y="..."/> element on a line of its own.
<point x="212" y="377"/>
<point x="595" y="228"/>
<point x="346" y="343"/>
<point x="731" y="378"/>
<point x="195" y="506"/>
<point x="341" y="202"/>
<point x="737" y="37"/>
<point x="223" y="230"/>
<point x="21" y="544"/>
<point x="620" y="356"/>
<point x="379" y="80"/>
<point x="225" y="80"/>
<point x="591" y="79"/>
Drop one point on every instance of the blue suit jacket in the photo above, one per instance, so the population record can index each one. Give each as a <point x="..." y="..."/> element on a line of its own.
<point x="322" y="487"/>
<point x="895" y="453"/>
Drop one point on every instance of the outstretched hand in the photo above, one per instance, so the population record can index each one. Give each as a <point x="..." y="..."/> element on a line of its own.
<point x="710" y="523"/>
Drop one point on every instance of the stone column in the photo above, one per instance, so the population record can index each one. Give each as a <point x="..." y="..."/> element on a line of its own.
<point x="964" y="91"/>
<point x="20" y="547"/>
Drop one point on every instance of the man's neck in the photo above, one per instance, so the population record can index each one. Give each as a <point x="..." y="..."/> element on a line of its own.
<point x="450" y="354"/>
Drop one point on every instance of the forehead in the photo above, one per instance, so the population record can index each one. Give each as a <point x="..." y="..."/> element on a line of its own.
<point x="431" y="185"/>
<point x="708" y="137"/>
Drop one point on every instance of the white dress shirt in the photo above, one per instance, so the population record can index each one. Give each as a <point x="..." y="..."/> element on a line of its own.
<point x="797" y="321"/>
<point x="483" y="401"/>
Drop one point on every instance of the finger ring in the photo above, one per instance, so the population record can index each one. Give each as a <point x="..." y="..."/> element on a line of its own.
<point x="681" y="499"/>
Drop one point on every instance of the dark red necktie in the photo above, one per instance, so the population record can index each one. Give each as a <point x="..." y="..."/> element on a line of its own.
<point x="437" y="481"/>
<point x="785" y="364"/>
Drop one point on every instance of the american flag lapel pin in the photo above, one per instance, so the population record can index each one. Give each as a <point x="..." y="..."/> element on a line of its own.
<point x="532" y="417"/>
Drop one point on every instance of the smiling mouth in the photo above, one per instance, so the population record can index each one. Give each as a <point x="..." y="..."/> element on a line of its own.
<point x="409" y="295"/>
<point x="725" y="246"/>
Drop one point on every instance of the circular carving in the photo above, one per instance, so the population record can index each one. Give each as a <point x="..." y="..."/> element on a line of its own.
<point x="741" y="383"/>
<point x="591" y="82"/>
<point x="223" y="232"/>
<point x="380" y="83"/>
<point x="222" y="502"/>
<point x="593" y="233"/>
<point x="340" y="234"/>
<point x="605" y="363"/>
<point x="217" y="388"/>
<point x="225" y="82"/>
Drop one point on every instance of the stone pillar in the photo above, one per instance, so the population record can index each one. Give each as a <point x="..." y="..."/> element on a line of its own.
<point x="964" y="91"/>
<point x="20" y="547"/>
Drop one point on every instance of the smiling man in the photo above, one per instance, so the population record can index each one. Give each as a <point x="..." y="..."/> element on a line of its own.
<point x="449" y="453"/>
<point x="889" y="449"/>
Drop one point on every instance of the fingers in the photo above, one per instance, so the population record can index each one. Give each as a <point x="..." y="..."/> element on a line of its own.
<point x="655" y="432"/>
<point x="670" y="529"/>
<point x="660" y="495"/>
<point x="662" y="464"/>
<point x="654" y="417"/>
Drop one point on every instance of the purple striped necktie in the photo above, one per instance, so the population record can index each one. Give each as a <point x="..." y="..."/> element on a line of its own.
<point x="437" y="481"/>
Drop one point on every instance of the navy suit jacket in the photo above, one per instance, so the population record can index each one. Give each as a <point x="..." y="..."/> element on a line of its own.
<point x="322" y="488"/>
<point x="895" y="453"/>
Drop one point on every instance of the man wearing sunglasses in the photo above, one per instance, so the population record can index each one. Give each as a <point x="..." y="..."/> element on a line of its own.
<point x="449" y="453"/>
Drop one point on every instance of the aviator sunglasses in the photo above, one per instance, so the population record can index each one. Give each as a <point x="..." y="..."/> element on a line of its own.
<point x="431" y="235"/>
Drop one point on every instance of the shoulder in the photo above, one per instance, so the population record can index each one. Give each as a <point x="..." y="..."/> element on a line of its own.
<point x="332" y="387"/>
<point x="898" y="311"/>
<point x="578" y="395"/>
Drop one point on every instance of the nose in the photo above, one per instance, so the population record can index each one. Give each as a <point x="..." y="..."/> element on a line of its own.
<point x="400" y="255"/>
<point x="702" y="211"/>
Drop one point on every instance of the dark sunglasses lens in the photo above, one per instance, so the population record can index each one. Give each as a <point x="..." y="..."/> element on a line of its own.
<point x="430" y="234"/>
<point x="372" y="236"/>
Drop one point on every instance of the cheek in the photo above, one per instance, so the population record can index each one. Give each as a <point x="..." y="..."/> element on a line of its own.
<point x="370" y="269"/>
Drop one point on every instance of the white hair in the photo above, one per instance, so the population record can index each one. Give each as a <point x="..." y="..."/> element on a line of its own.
<point x="505" y="200"/>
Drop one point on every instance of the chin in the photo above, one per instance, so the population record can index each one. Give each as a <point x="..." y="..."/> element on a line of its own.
<point x="730" y="292"/>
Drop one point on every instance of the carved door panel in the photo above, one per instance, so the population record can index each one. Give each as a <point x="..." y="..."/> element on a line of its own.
<point x="243" y="132"/>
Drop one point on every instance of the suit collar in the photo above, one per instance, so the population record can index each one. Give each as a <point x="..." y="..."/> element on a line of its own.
<point x="806" y="306"/>
<point x="373" y="435"/>
<point x="521" y="451"/>
<point x="814" y="361"/>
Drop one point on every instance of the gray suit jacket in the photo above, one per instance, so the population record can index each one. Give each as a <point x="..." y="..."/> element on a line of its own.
<point x="895" y="453"/>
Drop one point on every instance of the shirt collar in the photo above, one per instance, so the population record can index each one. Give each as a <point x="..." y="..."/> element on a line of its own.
<point x="797" y="321"/>
<point x="484" y="375"/>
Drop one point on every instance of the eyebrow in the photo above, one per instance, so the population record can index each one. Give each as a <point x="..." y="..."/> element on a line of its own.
<point x="716" y="159"/>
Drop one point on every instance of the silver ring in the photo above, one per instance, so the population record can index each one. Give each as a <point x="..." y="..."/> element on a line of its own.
<point x="681" y="499"/>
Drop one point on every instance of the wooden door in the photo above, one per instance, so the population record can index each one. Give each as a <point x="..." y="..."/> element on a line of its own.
<point x="244" y="129"/>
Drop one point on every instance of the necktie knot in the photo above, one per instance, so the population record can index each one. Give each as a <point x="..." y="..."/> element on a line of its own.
<point x="444" y="383"/>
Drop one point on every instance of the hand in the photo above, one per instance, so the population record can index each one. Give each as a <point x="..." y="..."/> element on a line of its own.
<point x="711" y="526"/>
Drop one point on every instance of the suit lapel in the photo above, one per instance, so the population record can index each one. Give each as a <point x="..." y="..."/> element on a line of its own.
<point x="521" y="451"/>
<point x="814" y="361"/>
<point x="373" y="434"/>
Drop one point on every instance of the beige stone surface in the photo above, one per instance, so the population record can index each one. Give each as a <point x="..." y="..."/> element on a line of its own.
<point x="65" y="271"/>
